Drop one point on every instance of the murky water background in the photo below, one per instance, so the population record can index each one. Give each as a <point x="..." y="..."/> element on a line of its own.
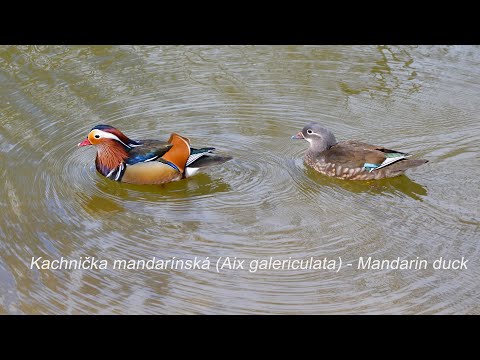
<point x="247" y="101"/>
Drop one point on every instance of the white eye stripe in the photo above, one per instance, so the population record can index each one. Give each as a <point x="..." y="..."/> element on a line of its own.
<point x="311" y="132"/>
<point x="108" y="135"/>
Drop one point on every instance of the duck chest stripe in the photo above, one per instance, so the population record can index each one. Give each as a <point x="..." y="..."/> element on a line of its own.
<point x="121" y="168"/>
<point x="111" y="172"/>
<point x="172" y="165"/>
<point x="116" y="174"/>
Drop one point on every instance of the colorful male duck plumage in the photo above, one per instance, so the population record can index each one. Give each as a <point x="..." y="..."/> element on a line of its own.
<point x="352" y="160"/>
<point x="120" y="158"/>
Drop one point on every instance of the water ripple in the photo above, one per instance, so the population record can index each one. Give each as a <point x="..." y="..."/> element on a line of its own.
<point x="247" y="102"/>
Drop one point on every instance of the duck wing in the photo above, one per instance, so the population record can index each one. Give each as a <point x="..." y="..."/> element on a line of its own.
<point x="355" y="154"/>
<point x="148" y="150"/>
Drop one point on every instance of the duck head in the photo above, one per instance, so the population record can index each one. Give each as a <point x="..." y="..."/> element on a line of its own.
<point x="108" y="136"/>
<point x="320" y="139"/>
<point x="112" y="147"/>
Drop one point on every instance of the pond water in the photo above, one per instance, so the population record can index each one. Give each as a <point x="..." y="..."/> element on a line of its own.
<point x="264" y="204"/>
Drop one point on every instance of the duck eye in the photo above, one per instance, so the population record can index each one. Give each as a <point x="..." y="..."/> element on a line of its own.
<point x="309" y="131"/>
<point x="97" y="136"/>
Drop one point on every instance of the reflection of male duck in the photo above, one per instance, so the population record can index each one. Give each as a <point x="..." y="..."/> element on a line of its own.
<point x="147" y="161"/>
<point x="351" y="160"/>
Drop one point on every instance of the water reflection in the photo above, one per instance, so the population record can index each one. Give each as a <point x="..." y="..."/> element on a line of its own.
<point x="8" y="297"/>
<point x="392" y="70"/>
<point x="397" y="185"/>
<point x="198" y="186"/>
<point x="96" y="204"/>
<point x="246" y="101"/>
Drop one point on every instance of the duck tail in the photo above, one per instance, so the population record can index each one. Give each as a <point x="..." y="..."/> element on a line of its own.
<point x="403" y="165"/>
<point x="209" y="160"/>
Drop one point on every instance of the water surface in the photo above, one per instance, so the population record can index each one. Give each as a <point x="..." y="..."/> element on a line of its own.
<point x="246" y="101"/>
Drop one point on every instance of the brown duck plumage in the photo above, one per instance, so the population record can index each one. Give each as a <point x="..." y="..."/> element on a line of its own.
<point x="352" y="160"/>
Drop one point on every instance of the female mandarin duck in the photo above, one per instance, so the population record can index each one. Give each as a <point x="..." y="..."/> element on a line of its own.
<point x="147" y="161"/>
<point x="351" y="160"/>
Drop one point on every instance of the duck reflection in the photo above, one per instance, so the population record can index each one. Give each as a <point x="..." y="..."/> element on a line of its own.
<point x="96" y="204"/>
<point x="198" y="186"/>
<point x="399" y="184"/>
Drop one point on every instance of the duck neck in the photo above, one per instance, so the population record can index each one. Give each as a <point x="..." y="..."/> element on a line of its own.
<point x="315" y="149"/>
<point x="109" y="156"/>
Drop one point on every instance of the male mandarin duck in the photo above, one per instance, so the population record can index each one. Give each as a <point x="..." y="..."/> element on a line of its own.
<point x="351" y="160"/>
<point x="147" y="161"/>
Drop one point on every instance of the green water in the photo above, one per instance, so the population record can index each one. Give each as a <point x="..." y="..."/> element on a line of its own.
<point x="246" y="101"/>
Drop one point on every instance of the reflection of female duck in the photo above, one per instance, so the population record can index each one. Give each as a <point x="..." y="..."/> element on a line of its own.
<point x="396" y="185"/>
<point x="351" y="160"/>
<point x="147" y="161"/>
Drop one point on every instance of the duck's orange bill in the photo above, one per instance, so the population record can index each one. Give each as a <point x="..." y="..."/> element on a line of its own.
<point x="85" y="142"/>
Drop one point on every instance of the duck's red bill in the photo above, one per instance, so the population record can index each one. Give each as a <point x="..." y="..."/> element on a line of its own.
<point x="298" y="136"/>
<point x="85" y="142"/>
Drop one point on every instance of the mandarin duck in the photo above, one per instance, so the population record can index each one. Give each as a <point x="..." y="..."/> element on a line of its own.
<point x="351" y="160"/>
<point x="122" y="159"/>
